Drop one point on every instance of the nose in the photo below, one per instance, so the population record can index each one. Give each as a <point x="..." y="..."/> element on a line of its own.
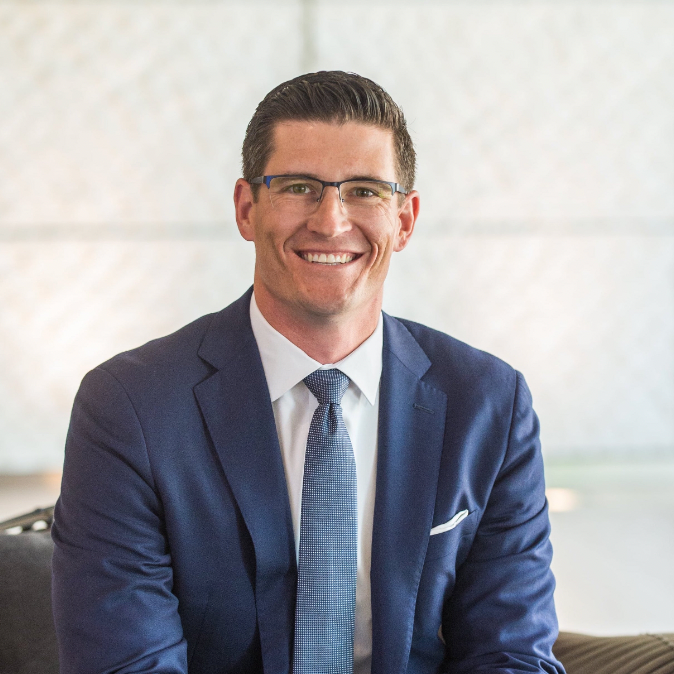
<point x="330" y="218"/>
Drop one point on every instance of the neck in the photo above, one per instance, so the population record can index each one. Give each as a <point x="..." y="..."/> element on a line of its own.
<point x="325" y="338"/>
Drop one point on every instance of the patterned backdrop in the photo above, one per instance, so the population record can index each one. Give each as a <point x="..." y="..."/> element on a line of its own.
<point x="545" y="136"/>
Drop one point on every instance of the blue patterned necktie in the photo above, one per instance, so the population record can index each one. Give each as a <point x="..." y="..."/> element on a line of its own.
<point x="326" y="574"/>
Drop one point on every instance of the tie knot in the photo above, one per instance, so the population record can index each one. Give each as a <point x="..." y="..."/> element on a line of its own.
<point x="328" y="386"/>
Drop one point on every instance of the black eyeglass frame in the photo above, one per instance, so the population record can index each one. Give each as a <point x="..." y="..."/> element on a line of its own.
<point x="266" y="180"/>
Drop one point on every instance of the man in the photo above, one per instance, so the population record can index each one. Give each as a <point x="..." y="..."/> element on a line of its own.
<point x="299" y="482"/>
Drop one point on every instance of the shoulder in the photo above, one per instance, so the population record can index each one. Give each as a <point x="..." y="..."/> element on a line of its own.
<point x="457" y="365"/>
<point x="169" y="354"/>
<point x="181" y="359"/>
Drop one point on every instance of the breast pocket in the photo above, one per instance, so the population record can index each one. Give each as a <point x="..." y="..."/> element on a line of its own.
<point x="453" y="535"/>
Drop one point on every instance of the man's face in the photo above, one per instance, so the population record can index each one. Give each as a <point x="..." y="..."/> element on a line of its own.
<point x="285" y="244"/>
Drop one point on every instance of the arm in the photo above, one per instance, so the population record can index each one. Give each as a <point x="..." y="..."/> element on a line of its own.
<point x="114" y="609"/>
<point x="501" y="616"/>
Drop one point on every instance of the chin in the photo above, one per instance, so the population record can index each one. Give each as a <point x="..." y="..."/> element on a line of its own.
<point x="327" y="306"/>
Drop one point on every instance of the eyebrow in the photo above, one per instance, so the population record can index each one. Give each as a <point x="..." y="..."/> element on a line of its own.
<point x="356" y="177"/>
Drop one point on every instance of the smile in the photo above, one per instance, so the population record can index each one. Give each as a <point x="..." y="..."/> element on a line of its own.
<point x="330" y="258"/>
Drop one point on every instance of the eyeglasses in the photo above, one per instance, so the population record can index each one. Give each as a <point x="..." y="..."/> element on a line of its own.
<point x="299" y="195"/>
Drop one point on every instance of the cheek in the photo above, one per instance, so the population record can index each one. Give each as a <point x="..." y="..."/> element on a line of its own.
<point x="272" y="237"/>
<point x="388" y="216"/>
<point x="386" y="236"/>
<point x="381" y="227"/>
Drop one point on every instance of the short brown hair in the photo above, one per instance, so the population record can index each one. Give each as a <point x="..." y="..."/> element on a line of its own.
<point x="327" y="96"/>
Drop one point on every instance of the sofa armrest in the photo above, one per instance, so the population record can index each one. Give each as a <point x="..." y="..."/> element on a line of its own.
<point x="643" y="654"/>
<point x="27" y="638"/>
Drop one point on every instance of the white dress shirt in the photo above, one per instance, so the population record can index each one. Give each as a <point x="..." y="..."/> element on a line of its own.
<point x="285" y="366"/>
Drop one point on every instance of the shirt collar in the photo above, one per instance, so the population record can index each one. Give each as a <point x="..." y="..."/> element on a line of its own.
<point x="286" y="364"/>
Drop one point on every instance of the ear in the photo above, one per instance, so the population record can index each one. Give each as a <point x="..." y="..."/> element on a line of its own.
<point x="407" y="216"/>
<point x="244" y="207"/>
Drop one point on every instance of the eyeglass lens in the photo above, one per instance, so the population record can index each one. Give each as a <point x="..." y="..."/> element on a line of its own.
<point x="304" y="194"/>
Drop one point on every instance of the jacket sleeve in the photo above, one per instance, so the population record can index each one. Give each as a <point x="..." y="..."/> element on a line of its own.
<point x="114" y="609"/>
<point x="501" y="616"/>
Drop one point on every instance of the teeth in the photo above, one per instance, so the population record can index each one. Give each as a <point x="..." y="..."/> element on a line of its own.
<point x="331" y="258"/>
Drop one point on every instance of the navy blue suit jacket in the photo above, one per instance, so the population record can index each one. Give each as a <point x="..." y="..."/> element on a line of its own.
<point x="174" y="540"/>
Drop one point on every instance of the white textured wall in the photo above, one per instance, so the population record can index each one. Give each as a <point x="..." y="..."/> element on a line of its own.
<point x="546" y="149"/>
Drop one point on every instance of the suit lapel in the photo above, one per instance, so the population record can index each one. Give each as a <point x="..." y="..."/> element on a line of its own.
<point x="411" y="427"/>
<point x="235" y="404"/>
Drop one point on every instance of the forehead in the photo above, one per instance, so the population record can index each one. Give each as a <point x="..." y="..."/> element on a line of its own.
<point x="332" y="151"/>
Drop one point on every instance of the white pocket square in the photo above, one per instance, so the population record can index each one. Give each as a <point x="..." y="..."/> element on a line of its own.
<point x="457" y="519"/>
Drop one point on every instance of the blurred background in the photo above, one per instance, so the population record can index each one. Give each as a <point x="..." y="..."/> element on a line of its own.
<point x="545" y="136"/>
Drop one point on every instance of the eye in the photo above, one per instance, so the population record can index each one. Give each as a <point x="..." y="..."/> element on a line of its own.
<point x="293" y="186"/>
<point x="364" y="192"/>
<point x="298" y="188"/>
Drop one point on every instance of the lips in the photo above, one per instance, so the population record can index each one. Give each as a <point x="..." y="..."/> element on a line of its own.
<point x="328" y="258"/>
